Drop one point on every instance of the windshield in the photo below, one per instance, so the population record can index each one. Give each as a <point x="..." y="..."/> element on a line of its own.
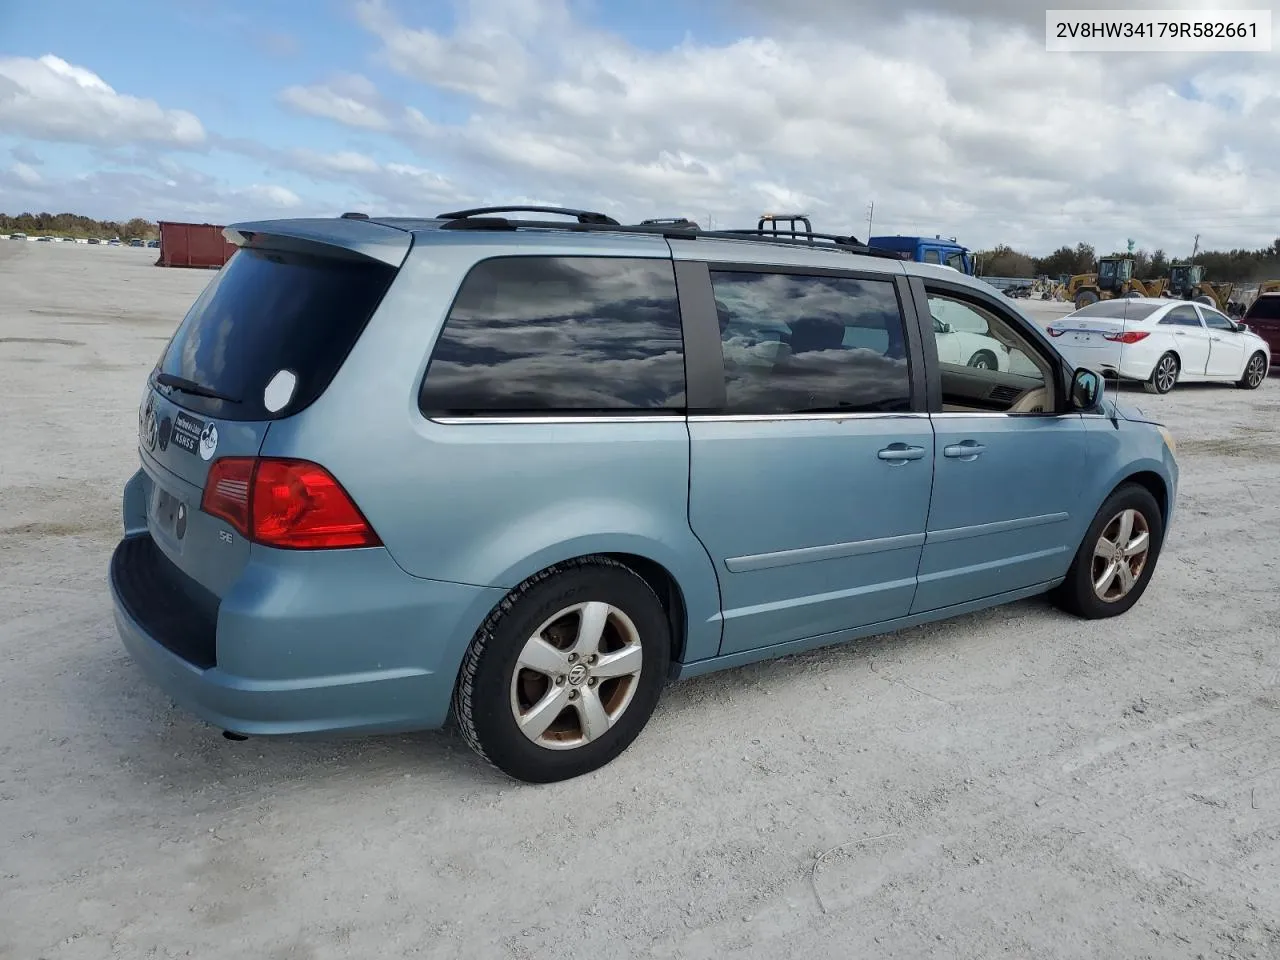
<point x="1264" y="308"/>
<point x="267" y="312"/>
<point x="1118" y="309"/>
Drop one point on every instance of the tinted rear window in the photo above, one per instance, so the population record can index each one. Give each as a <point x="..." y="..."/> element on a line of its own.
<point x="1264" y="308"/>
<point x="1118" y="309"/>
<point x="265" y="312"/>
<point x="542" y="335"/>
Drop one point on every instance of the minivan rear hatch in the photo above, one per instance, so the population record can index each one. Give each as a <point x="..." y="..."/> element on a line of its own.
<point x="262" y="342"/>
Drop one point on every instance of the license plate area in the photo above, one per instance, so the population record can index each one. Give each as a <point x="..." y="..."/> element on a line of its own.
<point x="168" y="515"/>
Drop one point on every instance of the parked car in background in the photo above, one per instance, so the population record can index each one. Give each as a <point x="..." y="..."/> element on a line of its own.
<point x="154" y="244"/>
<point x="17" y="236"/>
<point x="1160" y="343"/>
<point x="966" y="335"/>
<point x="524" y="479"/>
<point x="1263" y="318"/>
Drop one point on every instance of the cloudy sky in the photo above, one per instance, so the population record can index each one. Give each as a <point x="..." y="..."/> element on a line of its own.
<point x="950" y="122"/>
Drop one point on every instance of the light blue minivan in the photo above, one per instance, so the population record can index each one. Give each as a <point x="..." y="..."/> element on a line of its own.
<point x="525" y="471"/>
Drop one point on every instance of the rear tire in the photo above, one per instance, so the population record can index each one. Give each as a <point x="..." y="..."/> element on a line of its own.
<point x="1255" y="371"/>
<point x="1164" y="375"/>
<point x="1111" y="546"/>
<point x="542" y="696"/>
<point x="1085" y="297"/>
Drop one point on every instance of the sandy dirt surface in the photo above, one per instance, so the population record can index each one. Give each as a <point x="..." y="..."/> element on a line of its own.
<point x="1015" y="783"/>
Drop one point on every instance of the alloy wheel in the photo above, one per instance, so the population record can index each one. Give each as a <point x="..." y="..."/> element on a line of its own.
<point x="1120" y="555"/>
<point x="1256" y="371"/>
<point x="576" y="675"/>
<point x="1166" y="374"/>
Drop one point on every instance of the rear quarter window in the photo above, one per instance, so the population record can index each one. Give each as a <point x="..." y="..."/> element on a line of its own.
<point x="267" y="311"/>
<point x="559" y="335"/>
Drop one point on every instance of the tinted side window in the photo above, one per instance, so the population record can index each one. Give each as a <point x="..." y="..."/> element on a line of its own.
<point x="560" y="334"/>
<point x="1182" y="317"/>
<point x="1215" y="320"/>
<point x="956" y="260"/>
<point x="931" y="256"/>
<point x="811" y="344"/>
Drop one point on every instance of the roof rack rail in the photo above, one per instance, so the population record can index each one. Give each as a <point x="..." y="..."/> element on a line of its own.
<point x="582" y="216"/>
<point x="792" y="218"/>
<point x="806" y="238"/>
<point x="678" y="228"/>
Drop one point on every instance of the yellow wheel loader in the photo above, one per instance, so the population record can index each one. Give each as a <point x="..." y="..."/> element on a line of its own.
<point x="1114" y="279"/>
<point x="1187" y="282"/>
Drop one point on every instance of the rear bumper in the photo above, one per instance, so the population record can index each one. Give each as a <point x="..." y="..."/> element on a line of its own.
<point x="343" y="641"/>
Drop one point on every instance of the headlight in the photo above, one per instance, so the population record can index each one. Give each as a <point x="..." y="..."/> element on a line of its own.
<point x="1168" y="440"/>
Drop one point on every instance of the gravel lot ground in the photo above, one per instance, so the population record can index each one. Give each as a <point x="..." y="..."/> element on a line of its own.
<point x="1015" y="783"/>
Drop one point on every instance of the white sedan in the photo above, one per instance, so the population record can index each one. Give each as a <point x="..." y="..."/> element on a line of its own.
<point x="1161" y="342"/>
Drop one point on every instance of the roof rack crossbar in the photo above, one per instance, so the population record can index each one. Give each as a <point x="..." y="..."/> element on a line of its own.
<point x="582" y="216"/>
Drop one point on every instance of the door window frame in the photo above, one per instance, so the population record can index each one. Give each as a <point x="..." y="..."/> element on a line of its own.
<point x="1035" y="337"/>
<point x="1196" y="320"/>
<point x="705" y="371"/>
<point x="1207" y="312"/>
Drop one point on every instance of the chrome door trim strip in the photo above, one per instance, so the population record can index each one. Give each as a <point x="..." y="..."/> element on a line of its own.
<point x="830" y="551"/>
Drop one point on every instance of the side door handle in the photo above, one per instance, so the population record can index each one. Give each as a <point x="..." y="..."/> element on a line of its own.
<point x="967" y="450"/>
<point x="901" y="453"/>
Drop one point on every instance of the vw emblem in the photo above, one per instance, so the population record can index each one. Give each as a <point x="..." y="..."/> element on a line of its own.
<point x="149" y="429"/>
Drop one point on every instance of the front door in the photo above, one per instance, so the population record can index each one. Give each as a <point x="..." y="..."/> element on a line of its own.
<point x="810" y="488"/>
<point x="1190" y="338"/>
<point x="1226" y="347"/>
<point x="1008" y="469"/>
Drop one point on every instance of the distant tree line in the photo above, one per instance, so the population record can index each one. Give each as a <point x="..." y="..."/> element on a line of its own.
<point x="74" y="225"/>
<point x="1239" y="266"/>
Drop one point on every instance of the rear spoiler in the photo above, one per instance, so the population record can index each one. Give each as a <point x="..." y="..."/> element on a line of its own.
<point x="331" y="236"/>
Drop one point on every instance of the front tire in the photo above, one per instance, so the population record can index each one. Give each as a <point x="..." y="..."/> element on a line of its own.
<point x="1117" y="558"/>
<point x="984" y="360"/>
<point x="565" y="672"/>
<point x="1163" y="375"/>
<point x="1084" y="298"/>
<point x="1255" y="371"/>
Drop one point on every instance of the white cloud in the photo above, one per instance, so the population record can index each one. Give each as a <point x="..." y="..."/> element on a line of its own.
<point x="965" y="127"/>
<point x="50" y="99"/>
<point x="350" y="99"/>
<point x="271" y="195"/>
<point x="26" y="174"/>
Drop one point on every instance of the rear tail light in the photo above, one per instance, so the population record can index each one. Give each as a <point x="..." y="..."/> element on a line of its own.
<point x="1129" y="336"/>
<point x="292" y="504"/>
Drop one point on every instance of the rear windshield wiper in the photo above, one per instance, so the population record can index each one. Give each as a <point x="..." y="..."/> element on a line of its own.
<point x="191" y="387"/>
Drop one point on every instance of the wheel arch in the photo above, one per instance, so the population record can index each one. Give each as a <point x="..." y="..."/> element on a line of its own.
<point x="687" y="589"/>
<point x="1154" y="483"/>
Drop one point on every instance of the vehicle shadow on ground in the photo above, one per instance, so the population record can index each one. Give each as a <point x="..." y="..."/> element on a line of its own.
<point x="168" y="751"/>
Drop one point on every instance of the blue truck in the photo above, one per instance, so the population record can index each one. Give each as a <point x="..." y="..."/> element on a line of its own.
<point x="936" y="249"/>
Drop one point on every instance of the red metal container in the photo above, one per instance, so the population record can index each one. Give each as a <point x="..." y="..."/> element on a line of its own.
<point x="193" y="245"/>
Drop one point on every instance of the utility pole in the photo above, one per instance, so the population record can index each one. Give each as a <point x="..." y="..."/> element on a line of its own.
<point x="871" y="212"/>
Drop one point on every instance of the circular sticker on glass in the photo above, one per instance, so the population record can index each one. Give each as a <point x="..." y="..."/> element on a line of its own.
<point x="279" y="391"/>
<point x="208" y="441"/>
